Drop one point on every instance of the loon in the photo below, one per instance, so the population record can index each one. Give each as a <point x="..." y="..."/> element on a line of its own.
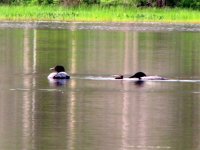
<point x="58" y="73"/>
<point x="142" y="76"/>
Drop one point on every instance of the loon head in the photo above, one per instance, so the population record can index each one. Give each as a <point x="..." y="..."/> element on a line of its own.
<point x="58" y="68"/>
<point x="139" y="75"/>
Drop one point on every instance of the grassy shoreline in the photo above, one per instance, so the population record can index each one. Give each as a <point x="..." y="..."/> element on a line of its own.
<point x="98" y="14"/>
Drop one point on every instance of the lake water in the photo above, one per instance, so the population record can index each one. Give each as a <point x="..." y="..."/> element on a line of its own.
<point x="92" y="111"/>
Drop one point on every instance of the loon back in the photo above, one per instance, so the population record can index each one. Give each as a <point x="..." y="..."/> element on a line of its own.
<point x="61" y="75"/>
<point x="138" y="75"/>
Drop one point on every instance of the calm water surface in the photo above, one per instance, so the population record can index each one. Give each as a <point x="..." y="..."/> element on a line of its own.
<point x="90" y="111"/>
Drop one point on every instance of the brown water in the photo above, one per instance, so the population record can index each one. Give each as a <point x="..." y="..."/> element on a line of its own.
<point x="92" y="111"/>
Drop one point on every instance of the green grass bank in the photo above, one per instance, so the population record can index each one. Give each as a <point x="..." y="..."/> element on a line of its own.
<point x="98" y="14"/>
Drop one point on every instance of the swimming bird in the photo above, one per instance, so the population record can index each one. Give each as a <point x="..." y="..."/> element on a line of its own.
<point x="138" y="75"/>
<point x="119" y="76"/>
<point x="58" y="73"/>
<point x="142" y="76"/>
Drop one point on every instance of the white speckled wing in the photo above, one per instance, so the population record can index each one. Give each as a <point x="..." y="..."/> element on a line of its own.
<point x="61" y="75"/>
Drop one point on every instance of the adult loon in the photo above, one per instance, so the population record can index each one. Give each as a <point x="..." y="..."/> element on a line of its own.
<point x="142" y="76"/>
<point x="58" y="73"/>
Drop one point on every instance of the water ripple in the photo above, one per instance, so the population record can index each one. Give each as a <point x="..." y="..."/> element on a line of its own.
<point x="104" y="26"/>
<point x="150" y="147"/>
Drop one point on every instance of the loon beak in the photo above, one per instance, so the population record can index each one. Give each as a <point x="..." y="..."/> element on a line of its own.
<point x="52" y="69"/>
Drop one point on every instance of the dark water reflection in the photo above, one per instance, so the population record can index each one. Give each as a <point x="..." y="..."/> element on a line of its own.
<point x="86" y="114"/>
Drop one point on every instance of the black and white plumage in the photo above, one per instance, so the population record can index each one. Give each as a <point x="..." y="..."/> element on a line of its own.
<point x="58" y="73"/>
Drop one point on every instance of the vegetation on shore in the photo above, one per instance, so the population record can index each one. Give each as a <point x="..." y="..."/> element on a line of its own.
<point x="194" y="4"/>
<point x="96" y="13"/>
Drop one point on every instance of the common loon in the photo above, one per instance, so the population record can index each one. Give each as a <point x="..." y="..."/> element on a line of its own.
<point x="58" y="73"/>
<point x="142" y="76"/>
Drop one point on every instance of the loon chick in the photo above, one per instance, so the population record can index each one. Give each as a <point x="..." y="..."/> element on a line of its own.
<point x="118" y="76"/>
<point x="137" y="75"/>
<point x="59" y="73"/>
<point x="142" y="76"/>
